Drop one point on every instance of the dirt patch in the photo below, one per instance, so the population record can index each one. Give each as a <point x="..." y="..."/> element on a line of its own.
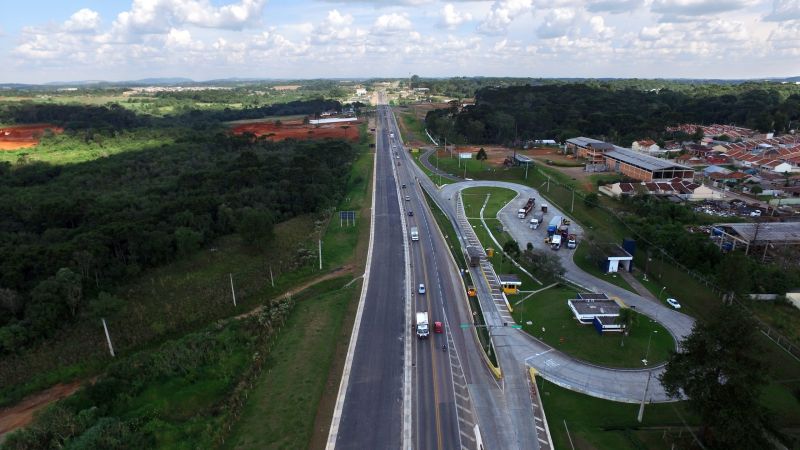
<point x="496" y="154"/>
<point x="22" y="413"/>
<point x="24" y="136"/>
<point x="296" y="129"/>
<point x="337" y="272"/>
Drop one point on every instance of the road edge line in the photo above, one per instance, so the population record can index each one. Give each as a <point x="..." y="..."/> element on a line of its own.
<point x="345" y="381"/>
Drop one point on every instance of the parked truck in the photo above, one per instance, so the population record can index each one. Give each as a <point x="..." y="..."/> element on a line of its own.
<point x="572" y="241"/>
<point x="552" y="227"/>
<point x="536" y="221"/>
<point x="422" y="325"/>
<point x="523" y="212"/>
<point x="474" y="256"/>
<point x="555" y="242"/>
<point x="414" y="234"/>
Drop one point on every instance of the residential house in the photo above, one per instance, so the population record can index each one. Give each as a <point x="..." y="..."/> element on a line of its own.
<point x="645" y="146"/>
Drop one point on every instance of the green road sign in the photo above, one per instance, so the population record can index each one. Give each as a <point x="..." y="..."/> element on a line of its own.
<point x="516" y="326"/>
<point x="466" y="325"/>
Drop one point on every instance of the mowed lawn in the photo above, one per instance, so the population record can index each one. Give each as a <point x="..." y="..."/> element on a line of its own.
<point x="549" y="310"/>
<point x="282" y="406"/>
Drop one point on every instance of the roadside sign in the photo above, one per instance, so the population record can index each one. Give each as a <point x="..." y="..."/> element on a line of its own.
<point x="465" y="325"/>
<point x="516" y="326"/>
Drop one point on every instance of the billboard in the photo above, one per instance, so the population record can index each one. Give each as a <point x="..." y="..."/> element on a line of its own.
<point x="467" y="155"/>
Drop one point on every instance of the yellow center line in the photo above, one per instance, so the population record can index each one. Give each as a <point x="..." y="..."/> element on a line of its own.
<point x="433" y="352"/>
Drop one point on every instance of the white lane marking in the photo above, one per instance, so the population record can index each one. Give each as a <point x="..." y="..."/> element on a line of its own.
<point x="345" y="381"/>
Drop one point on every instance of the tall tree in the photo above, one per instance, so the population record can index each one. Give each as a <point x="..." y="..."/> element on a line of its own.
<point x="718" y="369"/>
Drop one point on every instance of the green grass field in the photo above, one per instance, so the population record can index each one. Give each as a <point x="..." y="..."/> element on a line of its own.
<point x="599" y="424"/>
<point x="281" y="408"/>
<point x="548" y="309"/>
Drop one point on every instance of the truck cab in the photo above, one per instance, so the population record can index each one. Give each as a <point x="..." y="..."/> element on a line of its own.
<point x="555" y="242"/>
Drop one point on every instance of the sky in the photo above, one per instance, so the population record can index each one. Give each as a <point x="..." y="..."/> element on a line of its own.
<point x="57" y="40"/>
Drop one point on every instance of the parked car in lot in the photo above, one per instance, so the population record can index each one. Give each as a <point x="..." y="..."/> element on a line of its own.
<point x="674" y="303"/>
<point x="421" y="288"/>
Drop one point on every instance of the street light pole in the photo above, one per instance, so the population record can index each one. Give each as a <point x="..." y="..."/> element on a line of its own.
<point x="661" y="292"/>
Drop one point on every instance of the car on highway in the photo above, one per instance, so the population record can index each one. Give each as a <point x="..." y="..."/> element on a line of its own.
<point x="404" y="186"/>
<point x="408" y="198"/>
<point x="411" y="213"/>
<point x="674" y="303"/>
<point x="437" y="327"/>
<point x="421" y="288"/>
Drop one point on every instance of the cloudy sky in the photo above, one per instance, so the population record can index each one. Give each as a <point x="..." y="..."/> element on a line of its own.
<point x="47" y="40"/>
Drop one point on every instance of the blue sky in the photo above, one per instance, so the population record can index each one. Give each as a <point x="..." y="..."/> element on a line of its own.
<point x="47" y="40"/>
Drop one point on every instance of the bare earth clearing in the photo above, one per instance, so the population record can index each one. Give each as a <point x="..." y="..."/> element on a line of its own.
<point x="296" y="129"/>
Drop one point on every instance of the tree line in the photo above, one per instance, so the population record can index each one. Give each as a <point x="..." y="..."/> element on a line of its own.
<point x="513" y="114"/>
<point x="70" y="233"/>
<point x="116" y="117"/>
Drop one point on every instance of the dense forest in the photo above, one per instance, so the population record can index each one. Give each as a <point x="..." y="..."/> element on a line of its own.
<point x="68" y="233"/>
<point x="617" y="114"/>
<point x="116" y="117"/>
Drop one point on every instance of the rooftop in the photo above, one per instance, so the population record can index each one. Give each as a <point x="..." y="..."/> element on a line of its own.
<point x="509" y="279"/>
<point x="595" y="307"/>
<point x="583" y="141"/>
<point x="592" y="296"/>
<point x="764" y="232"/>
<point x="642" y="160"/>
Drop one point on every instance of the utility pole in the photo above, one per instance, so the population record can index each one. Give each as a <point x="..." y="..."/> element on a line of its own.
<point x="644" y="397"/>
<point x="271" y="278"/>
<point x="572" y="206"/>
<point x="526" y="171"/>
<point x="233" y="293"/>
<point x="320" y="254"/>
<point x="108" y="338"/>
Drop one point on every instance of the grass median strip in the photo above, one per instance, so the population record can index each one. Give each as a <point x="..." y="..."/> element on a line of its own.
<point x="282" y="406"/>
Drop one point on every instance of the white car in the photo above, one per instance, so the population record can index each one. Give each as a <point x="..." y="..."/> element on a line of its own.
<point x="408" y="198"/>
<point x="674" y="303"/>
<point x="421" y="288"/>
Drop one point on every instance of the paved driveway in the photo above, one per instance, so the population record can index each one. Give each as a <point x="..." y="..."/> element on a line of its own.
<point x="555" y="366"/>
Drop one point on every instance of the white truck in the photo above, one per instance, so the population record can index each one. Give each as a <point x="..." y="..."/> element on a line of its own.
<point x="414" y="234"/>
<point x="555" y="241"/>
<point x="422" y="325"/>
<point x="537" y="219"/>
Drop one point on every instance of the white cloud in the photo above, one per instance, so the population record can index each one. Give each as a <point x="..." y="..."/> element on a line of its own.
<point x="178" y="38"/>
<point x="785" y="40"/>
<point x="599" y="28"/>
<point x="391" y="23"/>
<point x="558" y="22"/>
<point x="683" y="9"/>
<point x="336" y="27"/>
<point x="451" y="18"/>
<point x="154" y="16"/>
<point x="614" y="6"/>
<point x="83" y="20"/>
<point x="784" y="10"/>
<point x="502" y="13"/>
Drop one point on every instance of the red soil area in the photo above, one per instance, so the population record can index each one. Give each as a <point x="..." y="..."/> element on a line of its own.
<point x="24" y="136"/>
<point x="295" y="129"/>
<point x="22" y="413"/>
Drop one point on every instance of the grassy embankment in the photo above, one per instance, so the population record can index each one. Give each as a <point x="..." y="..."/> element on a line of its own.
<point x="594" y="423"/>
<point x="291" y="403"/>
<point x="548" y="308"/>
<point x="184" y="296"/>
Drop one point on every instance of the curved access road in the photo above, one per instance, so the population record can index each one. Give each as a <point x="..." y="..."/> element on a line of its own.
<point x="625" y="385"/>
<point x="425" y="160"/>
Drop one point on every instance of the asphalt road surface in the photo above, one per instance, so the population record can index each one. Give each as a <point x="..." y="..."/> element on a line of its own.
<point x="371" y="416"/>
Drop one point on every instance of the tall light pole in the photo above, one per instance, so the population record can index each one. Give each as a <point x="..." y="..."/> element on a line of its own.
<point x="661" y="292"/>
<point x="647" y="352"/>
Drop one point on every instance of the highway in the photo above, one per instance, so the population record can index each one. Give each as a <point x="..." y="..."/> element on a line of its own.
<point x="398" y="391"/>
<point x="371" y="413"/>
<point x="502" y="409"/>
